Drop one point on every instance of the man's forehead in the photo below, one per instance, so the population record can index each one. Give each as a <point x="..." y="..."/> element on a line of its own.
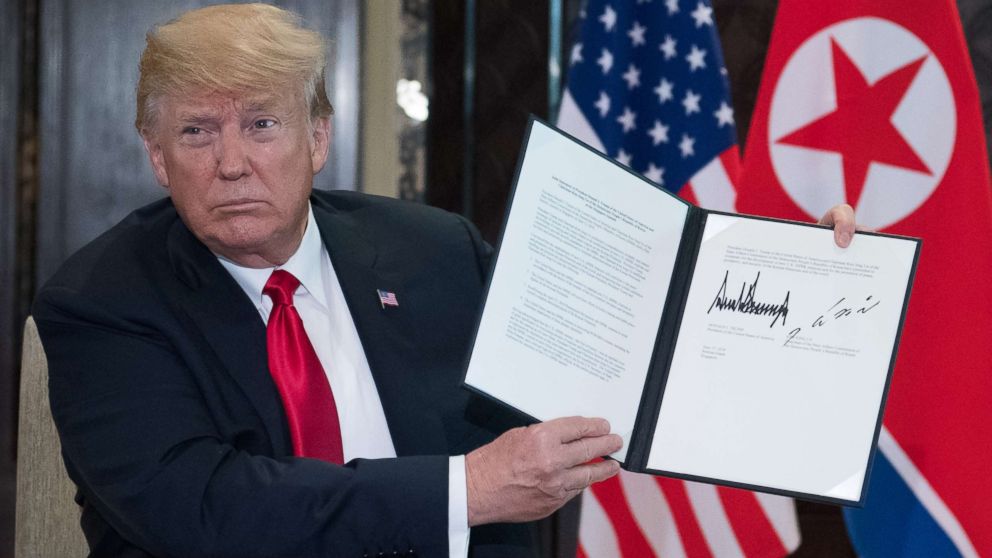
<point x="215" y="103"/>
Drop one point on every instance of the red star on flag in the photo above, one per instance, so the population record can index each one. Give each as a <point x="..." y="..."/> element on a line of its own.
<point x="860" y="128"/>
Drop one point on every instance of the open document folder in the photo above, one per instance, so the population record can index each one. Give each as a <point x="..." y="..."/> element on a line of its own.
<point x="723" y="348"/>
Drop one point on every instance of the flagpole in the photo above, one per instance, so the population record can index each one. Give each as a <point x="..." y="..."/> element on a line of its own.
<point x="554" y="59"/>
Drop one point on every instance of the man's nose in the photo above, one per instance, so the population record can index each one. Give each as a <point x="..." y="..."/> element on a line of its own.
<point x="232" y="157"/>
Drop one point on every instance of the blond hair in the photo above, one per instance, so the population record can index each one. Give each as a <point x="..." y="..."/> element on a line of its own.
<point x="231" y="49"/>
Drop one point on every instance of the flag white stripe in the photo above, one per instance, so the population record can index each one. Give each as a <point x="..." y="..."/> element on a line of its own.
<point x="596" y="533"/>
<point x="713" y="521"/>
<point x="651" y="511"/>
<point x="713" y="187"/>
<point x="571" y="117"/>
<point x="925" y="493"/>
<point x="781" y="513"/>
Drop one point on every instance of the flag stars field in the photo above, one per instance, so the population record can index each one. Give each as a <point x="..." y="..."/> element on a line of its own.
<point x="654" y="75"/>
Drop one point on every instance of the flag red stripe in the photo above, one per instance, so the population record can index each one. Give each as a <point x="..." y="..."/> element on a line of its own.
<point x="731" y="159"/>
<point x="629" y="535"/>
<point x="581" y="552"/>
<point x="693" y="540"/>
<point x="688" y="195"/>
<point x="755" y="533"/>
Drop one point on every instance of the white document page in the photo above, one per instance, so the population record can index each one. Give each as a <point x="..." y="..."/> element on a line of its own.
<point x="782" y="357"/>
<point x="579" y="286"/>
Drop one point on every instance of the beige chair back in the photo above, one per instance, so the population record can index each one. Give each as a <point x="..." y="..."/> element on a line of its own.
<point x="47" y="518"/>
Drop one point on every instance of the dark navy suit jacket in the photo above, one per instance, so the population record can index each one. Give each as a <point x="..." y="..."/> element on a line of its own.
<point x="175" y="434"/>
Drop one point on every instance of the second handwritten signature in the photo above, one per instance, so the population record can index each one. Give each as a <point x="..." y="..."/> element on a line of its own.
<point x="834" y="313"/>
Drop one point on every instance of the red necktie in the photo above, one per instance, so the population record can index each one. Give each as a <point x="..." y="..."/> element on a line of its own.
<point x="306" y="395"/>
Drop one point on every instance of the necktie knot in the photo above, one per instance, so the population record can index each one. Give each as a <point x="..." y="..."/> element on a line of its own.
<point x="280" y="287"/>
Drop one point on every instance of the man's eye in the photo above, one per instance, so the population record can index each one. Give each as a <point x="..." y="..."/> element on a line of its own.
<point x="264" y="123"/>
<point x="192" y="130"/>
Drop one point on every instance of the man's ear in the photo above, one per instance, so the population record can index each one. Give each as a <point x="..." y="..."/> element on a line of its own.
<point x="156" y="157"/>
<point x="320" y="143"/>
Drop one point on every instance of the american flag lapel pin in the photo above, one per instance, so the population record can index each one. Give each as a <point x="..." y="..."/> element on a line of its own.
<point x="387" y="298"/>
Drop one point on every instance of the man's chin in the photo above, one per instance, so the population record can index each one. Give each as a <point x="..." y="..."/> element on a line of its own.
<point x="253" y="247"/>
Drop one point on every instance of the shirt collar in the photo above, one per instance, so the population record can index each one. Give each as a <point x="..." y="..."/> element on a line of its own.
<point x="304" y="264"/>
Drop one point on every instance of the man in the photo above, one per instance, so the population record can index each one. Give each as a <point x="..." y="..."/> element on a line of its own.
<point x="250" y="368"/>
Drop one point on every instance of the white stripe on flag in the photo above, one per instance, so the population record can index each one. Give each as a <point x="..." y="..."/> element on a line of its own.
<point x="651" y="510"/>
<point x="596" y="533"/>
<point x="925" y="493"/>
<point x="571" y="118"/>
<point x="713" y="521"/>
<point x="713" y="187"/>
<point x="781" y="513"/>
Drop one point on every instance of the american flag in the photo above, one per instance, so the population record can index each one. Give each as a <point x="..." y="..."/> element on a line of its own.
<point x="387" y="298"/>
<point x="648" y="87"/>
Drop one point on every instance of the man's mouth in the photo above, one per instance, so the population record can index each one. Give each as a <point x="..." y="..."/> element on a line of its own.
<point x="241" y="204"/>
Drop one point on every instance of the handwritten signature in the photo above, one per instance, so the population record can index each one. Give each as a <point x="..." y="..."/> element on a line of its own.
<point x="832" y="315"/>
<point x="745" y="303"/>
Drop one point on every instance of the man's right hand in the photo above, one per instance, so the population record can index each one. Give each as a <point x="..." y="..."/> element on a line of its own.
<point x="528" y="473"/>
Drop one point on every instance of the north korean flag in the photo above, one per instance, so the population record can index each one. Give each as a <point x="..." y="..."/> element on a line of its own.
<point x="874" y="103"/>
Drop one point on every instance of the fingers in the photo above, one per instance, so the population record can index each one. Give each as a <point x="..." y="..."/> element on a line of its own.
<point x="574" y="428"/>
<point x="580" y="477"/>
<point x="584" y="450"/>
<point x="582" y="439"/>
<point x="841" y="218"/>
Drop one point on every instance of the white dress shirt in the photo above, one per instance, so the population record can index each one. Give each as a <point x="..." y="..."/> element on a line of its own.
<point x="327" y="320"/>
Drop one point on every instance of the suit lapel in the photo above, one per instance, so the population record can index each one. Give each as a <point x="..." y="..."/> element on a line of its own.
<point x="386" y="333"/>
<point x="228" y="320"/>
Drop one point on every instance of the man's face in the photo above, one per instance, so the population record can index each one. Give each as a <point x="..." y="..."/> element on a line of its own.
<point x="240" y="170"/>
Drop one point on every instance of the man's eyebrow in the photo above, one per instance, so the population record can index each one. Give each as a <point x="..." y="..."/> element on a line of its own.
<point x="197" y="117"/>
<point x="260" y="105"/>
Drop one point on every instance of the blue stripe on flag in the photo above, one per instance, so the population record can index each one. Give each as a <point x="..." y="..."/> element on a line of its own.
<point x="893" y="523"/>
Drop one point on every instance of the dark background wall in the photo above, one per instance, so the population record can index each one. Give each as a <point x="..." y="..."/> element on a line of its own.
<point x="71" y="164"/>
<point x="10" y="40"/>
